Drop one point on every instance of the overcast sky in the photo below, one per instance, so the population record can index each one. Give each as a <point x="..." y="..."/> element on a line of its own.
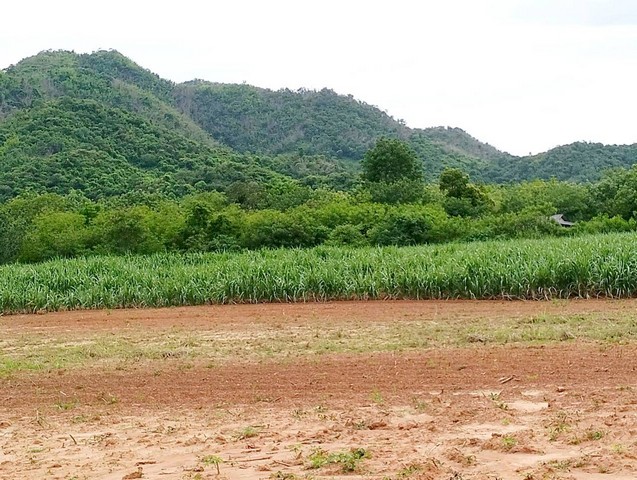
<point x="522" y="75"/>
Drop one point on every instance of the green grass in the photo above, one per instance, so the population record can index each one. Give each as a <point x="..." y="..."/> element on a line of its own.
<point x="598" y="265"/>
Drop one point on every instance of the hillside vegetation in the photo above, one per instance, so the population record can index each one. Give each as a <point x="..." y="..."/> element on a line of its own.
<point x="187" y="132"/>
<point x="99" y="156"/>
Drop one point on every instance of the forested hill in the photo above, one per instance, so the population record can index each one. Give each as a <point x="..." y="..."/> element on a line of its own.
<point x="251" y="119"/>
<point x="102" y="124"/>
<point x="577" y="162"/>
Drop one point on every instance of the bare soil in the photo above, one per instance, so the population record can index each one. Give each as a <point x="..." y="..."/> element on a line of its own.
<point x="558" y="410"/>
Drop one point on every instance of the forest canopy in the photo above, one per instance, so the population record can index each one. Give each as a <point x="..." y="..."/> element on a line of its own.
<point x="100" y="156"/>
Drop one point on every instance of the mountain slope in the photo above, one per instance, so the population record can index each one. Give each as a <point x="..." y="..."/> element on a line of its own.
<point x="251" y="119"/>
<point x="102" y="124"/>
<point x="106" y="77"/>
<point x="68" y="143"/>
<point x="577" y="162"/>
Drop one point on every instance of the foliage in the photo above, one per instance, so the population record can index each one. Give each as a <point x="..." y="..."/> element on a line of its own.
<point x="347" y="461"/>
<point x="578" y="162"/>
<point x="39" y="227"/>
<point x="99" y="156"/>
<point x="102" y="125"/>
<point x="303" y="122"/>
<point x="462" y="198"/>
<point x="595" y="265"/>
<point x="389" y="161"/>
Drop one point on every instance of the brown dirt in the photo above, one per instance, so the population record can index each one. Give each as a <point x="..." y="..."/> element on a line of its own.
<point x="555" y="411"/>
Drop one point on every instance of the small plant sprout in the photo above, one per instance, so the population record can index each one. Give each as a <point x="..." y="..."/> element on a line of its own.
<point x="508" y="442"/>
<point x="348" y="461"/>
<point x="377" y="397"/>
<point x="212" y="460"/>
<point x="248" y="432"/>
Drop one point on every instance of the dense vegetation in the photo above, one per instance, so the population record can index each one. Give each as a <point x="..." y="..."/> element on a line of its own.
<point x="101" y="110"/>
<point x="101" y="157"/>
<point x="601" y="265"/>
<point x="286" y="214"/>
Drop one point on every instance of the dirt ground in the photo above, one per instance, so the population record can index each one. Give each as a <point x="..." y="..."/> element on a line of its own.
<point x="287" y="391"/>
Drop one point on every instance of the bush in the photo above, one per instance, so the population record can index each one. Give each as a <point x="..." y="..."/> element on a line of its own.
<point x="347" y="235"/>
<point x="273" y="229"/>
<point x="606" y="224"/>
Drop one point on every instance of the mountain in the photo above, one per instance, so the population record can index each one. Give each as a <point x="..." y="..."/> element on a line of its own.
<point x="104" y="125"/>
<point x="106" y="77"/>
<point x="251" y="119"/>
<point x="577" y="162"/>
<point x="101" y="124"/>
<point x="80" y="144"/>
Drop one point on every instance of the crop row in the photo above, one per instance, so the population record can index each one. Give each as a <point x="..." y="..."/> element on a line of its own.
<point x="597" y="265"/>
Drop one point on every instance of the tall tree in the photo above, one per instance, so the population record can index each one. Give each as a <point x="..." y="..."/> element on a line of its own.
<point x="390" y="161"/>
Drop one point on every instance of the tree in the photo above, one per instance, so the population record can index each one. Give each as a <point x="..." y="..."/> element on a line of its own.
<point x="462" y="198"/>
<point x="390" y="161"/>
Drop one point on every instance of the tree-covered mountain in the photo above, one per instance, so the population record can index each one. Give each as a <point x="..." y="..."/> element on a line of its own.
<point x="76" y="144"/>
<point x="577" y="162"/>
<point x="251" y="119"/>
<point x="102" y="124"/>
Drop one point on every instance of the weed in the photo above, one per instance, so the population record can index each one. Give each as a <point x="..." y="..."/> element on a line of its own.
<point x="560" y="424"/>
<point x="297" y="449"/>
<point x="283" y="476"/>
<point x="618" y="448"/>
<point x="361" y="425"/>
<point x="212" y="460"/>
<point x="420" y="405"/>
<point x="348" y="461"/>
<point x="108" y="398"/>
<point x="562" y="465"/>
<point x="248" y="432"/>
<point x="409" y="470"/>
<point x="594" y="434"/>
<point x="298" y="413"/>
<point x="497" y="401"/>
<point x="66" y="405"/>
<point x="85" y="418"/>
<point x="508" y="442"/>
<point x="377" y="397"/>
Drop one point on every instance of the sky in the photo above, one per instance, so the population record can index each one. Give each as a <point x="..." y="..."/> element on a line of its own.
<point x="522" y="75"/>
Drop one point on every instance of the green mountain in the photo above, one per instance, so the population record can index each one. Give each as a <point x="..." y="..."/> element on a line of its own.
<point x="251" y="119"/>
<point x="102" y="124"/>
<point x="68" y="143"/>
<point x="106" y="77"/>
<point x="577" y="162"/>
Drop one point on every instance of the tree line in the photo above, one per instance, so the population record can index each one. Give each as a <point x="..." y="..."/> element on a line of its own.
<point x="389" y="205"/>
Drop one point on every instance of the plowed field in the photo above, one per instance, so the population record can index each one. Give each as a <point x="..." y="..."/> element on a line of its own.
<point x="381" y="390"/>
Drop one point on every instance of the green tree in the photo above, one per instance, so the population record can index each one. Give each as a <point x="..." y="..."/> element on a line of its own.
<point x="55" y="234"/>
<point x="462" y="198"/>
<point x="390" y="161"/>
